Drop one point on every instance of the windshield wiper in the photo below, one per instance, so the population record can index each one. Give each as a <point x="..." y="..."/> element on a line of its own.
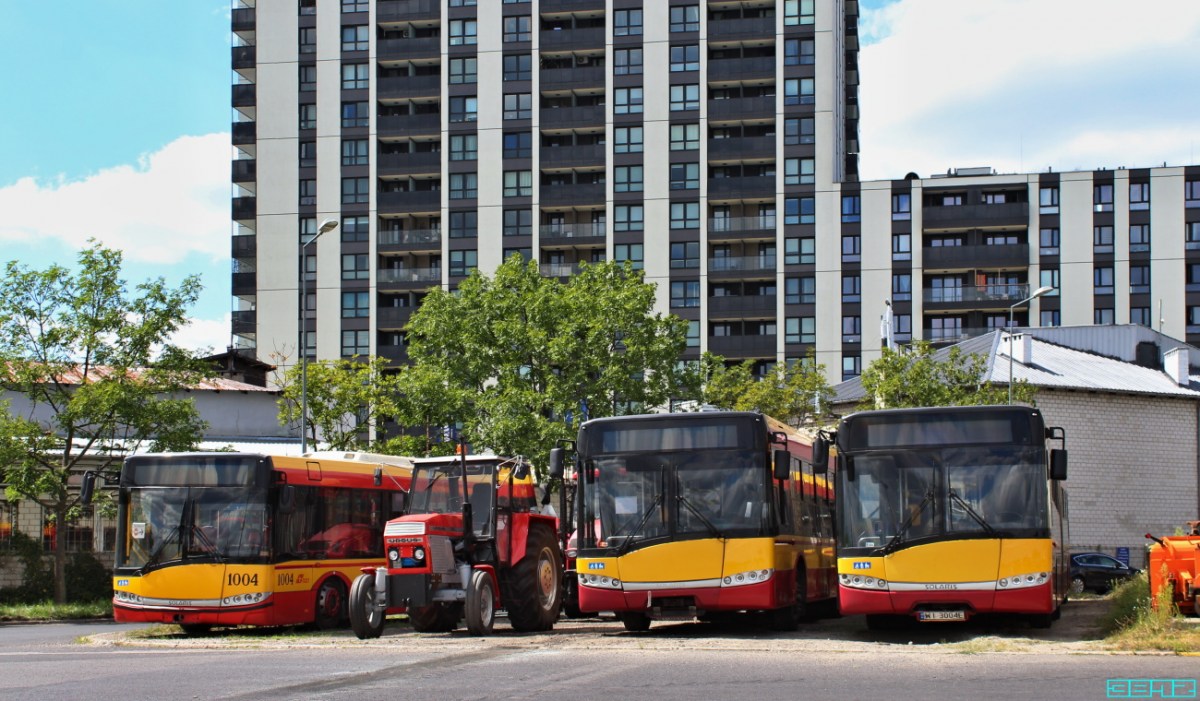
<point x="711" y="528"/>
<point x="897" y="539"/>
<point x="655" y="503"/>
<point x="971" y="512"/>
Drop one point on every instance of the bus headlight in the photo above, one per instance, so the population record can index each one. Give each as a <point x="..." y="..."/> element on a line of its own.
<point x="596" y="580"/>
<point x="741" y="579"/>
<point x="1022" y="581"/>
<point x="246" y="599"/>
<point x="858" y="581"/>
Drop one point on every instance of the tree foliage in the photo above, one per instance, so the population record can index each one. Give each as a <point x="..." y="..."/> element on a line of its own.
<point x="915" y="377"/>
<point x="519" y="359"/>
<point x="90" y="375"/>
<point x="347" y="399"/>
<point x="793" y="393"/>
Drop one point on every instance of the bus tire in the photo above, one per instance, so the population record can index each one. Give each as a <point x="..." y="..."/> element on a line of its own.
<point x="433" y="618"/>
<point x="330" y="611"/>
<point x="535" y="584"/>
<point x="886" y="621"/>
<point x="788" y="617"/>
<point x="1040" y="621"/>
<point x="480" y="608"/>
<point x="634" y="621"/>
<point x="196" y="629"/>
<point x="366" y="619"/>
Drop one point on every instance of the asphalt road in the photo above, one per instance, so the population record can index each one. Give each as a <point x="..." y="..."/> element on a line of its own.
<point x="580" y="660"/>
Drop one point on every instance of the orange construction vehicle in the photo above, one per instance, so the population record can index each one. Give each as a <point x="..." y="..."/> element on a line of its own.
<point x="1175" y="562"/>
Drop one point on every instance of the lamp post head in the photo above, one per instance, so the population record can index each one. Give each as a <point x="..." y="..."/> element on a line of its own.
<point x="327" y="225"/>
<point x="1041" y="291"/>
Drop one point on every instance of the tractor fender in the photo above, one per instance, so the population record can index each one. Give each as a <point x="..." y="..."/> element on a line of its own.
<point x="491" y="573"/>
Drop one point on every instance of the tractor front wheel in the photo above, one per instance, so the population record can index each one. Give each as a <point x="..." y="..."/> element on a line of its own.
<point x="481" y="604"/>
<point x="366" y="619"/>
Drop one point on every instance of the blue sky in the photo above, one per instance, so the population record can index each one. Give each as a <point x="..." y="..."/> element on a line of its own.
<point x="118" y="114"/>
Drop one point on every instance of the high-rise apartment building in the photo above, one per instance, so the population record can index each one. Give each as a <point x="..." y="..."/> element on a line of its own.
<point x="712" y="144"/>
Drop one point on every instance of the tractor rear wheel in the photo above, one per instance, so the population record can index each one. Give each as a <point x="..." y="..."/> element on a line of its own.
<point x="535" y="584"/>
<point x="366" y="619"/>
<point x="480" y="607"/>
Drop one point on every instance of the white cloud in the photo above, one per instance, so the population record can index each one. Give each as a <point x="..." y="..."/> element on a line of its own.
<point x="201" y="334"/>
<point x="1022" y="85"/>
<point x="170" y="204"/>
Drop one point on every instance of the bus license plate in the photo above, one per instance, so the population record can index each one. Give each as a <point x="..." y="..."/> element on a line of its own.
<point x="942" y="615"/>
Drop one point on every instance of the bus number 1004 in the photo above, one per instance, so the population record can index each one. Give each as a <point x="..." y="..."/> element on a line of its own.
<point x="241" y="579"/>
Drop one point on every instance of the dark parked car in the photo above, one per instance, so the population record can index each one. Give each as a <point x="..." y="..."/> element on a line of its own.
<point x="1098" y="572"/>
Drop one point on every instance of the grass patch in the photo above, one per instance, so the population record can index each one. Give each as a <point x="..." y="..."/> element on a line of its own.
<point x="47" y="611"/>
<point x="1133" y="624"/>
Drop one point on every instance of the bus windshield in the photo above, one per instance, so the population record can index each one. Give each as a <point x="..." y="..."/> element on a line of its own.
<point x="899" y="497"/>
<point x="647" y="495"/>
<point x="170" y="524"/>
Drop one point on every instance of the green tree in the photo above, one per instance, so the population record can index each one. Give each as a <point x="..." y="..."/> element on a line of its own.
<point x="915" y="377"/>
<point x="793" y="393"/>
<point x="347" y="399"/>
<point x="519" y="359"/>
<point x="91" y="376"/>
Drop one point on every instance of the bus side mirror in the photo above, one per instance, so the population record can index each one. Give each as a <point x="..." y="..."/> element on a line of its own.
<point x="1058" y="463"/>
<point x="556" y="463"/>
<point x="287" y="499"/>
<point x="820" y="453"/>
<point x="783" y="464"/>
<point x="522" y="471"/>
<point x="378" y="476"/>
<point x="87" y="488"/>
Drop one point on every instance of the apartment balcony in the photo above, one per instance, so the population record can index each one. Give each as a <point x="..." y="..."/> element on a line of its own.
<point x="571" y="117"/>
<point x="749" y="187"/>
<point x="729" y="69"/>
<point x="410" y="201"/>
<point x="742" y="306"/>
<point x="566" y="195"/>
<point x="736" y="109"/>
<point x="548" y="6"/>
<point x="393" y="318"/>
<point x="245" y="321"/>
<point x="410" y="163"/>
<point x="966" y="257"/>
<point x="244" y="208"/>
<point x="742" y="148"/>
<point x="571" y="39"/>
<point x="244" y="171"/>
<point x="974" y="297"/>
<point x="401" y="11"/>
<point x="407" y="278"/>
<point x="558" y="269"/>
<point x="409" y="240"/>
<point x="408" y="86"/>
<point x="572" y="156"/>
<point x="245" y="284"/>
<point x="242" y="19"/>
<point x="410" y="125"/>
<point x="740" y="228"/>
<point x="741" y="266"/>
<point x="975" y="216"/>
<point x="244" y="95"/>
<point x="572" y="235"/>
<point x="572" y="78"/>
<point x="743" y="346"/>
<point x="244" y="133"/>
<point x="952" y="335"/>
<point x="409" y="48"/>
<point x="741" y="29"/>
<point x="243" y="247"/>
<point x="395" y="355"/>
<point x="242" y="57"/>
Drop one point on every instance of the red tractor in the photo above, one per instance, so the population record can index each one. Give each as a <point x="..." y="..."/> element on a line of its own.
<point x="470" y="543"/>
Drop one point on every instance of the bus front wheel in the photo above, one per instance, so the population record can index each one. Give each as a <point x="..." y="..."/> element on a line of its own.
<point x="634" y="621"/>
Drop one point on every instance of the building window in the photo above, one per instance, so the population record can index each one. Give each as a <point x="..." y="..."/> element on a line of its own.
<point x="356" y="38"/>
<point x="799" y="91"/>
<point x="308" y="7"/>
<point x="799" y="52"/>
<point x="518" y="144"/>
<point x="356" y="76"/>
<point x="1103" y="315"/>
<point x="685" y="97"/>
<point x="851" y="289"/>
<point x="1048" y="200"/>
<point x="354" y="152"/>
<point x="518" y="222"/>
<point x="1139" y="279"/>
<point x="685" y="215"/>
<point x="685" y="18"/>
<point x="308" y="116"/>
<point x="1049" y="278"/>
<point x="356" y="343"/>
<point x="518" y="105"/>
<point x="799" y="251"/>
<point x="1193" y="320"/>
<point x="356" y="114"/>
<point x="1102" y="239"/>
<point x="308" y="192"/>
<point x="627" y="61"/>
<point x="901" y="206"/>
<point x="901" y="247"/>
<point x="464" y="71"/>
<point x="308" y="154"/>
<point x="1139" y="196"/>
<point x="471" y="3"/>
<point x="851" y="208"/>
<point x="355" y="305"/>
<point x="799" y="210"/>
<point x="632" y="252"/>
<point x="516" y="28"/>
<point x="464" y="224"/>
<point x="685" y="293"/>
<point x="799" y="171"/>
<point x="627" y="139"/>
<point x="685" y="137"/>
<point x="349" y="6"/>
<point x="627" y="179"/>
<point x="308" y="78"/>
<point x="902" y="287"/>
<point x="1102" y="281"/>
<point x="464" y="147"/>
<point x="1048" y="239"/>
<point x="308" y="40"/>
<point x="463" y="32"/>
<point x="627" y="101"/>
<point x="1193" y="277"/>
<point x="462" y="263"/>
<point x="464" y="186"/>
<point x="685" y="58"/>
<point x="1139" y="238"/>
<point x="1050" y="317"/>
<point x="518" y="183"/>
<point x="628" y="217"/>
<point x="1191" y="193"/>
<point x="1140" y="316"/>
<point x="627" y="22"/>
<point x="685" y="176"/>
<point x="464" y="108"/>
<point x="356" y="190"/>
<point x="685" y="254"/>
<point x="796" y="12"/>
<point x="693" y="334"/>
<point x="851" y="249"/>
<point x="851" y="329"/>
<point x="1192" y="236"/>
<point x="1102" y="197"/>
<point x="851" y="367"/>
<point x="799" y="130"/>
<point x="355" y="229"/>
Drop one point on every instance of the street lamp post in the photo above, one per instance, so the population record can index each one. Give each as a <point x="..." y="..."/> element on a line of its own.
<point x="327" y="225"/>
<point x="1037" y="293"/>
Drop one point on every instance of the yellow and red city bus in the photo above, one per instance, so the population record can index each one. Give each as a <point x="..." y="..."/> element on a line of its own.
<point x="224" y="539"/>
<point x="701" y="514"/>
<point x="949" y="512"/>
